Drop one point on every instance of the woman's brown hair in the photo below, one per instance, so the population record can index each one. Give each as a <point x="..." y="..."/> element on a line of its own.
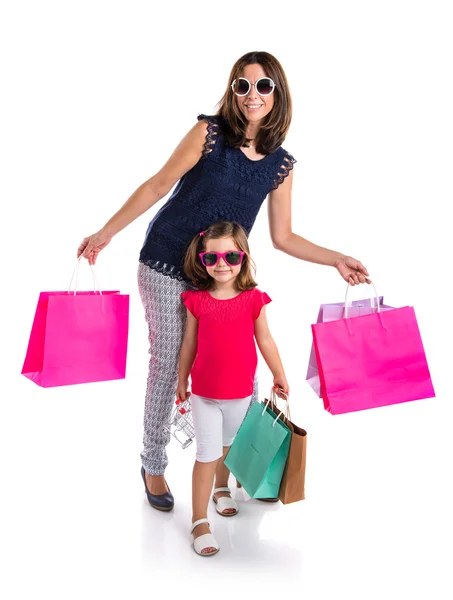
<point x="275" y="125"/>
<point x="198" y="274"/>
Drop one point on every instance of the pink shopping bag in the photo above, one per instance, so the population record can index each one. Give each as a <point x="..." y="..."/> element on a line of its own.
<point x="333" y="312"/>
<point x="78" y="338"/>
<point x="371" y="361"/>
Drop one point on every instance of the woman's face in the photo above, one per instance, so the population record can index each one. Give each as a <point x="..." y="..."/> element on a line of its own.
<point x="253" y="106"/>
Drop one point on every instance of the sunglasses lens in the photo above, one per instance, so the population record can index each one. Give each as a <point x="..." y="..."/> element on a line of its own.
<point x="242" y="87"/>
<point x="265" y="86"/>
<point x="210" y="259"/>
<point x="233" y="258"/>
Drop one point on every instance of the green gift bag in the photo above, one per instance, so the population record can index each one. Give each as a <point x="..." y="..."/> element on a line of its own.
<point x="258" y="454"/>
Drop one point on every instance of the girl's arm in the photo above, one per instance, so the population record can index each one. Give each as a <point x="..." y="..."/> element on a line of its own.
<point x="269" y="351"/>
<point x="283" y="238"/>
<point x="187" y="356"/>
<point x="185" y="156"/>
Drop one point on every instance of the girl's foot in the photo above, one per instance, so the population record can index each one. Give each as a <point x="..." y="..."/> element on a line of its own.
<point x="225" y="505"/>
<point x="204" y="543"/>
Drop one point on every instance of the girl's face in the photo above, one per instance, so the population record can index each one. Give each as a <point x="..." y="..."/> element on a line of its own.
<point x="222" y="272"/>
<point x="253" y="106"/>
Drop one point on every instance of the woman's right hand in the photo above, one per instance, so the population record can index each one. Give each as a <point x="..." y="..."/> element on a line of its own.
<point x="92" y="245"/>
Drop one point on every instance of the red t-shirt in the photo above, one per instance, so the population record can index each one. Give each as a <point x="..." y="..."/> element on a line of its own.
<point x="226" y="360"/>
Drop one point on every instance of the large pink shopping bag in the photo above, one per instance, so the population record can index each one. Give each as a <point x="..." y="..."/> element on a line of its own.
<point x="371" y="361"/>
<point x="78" y="338"/>
<point x="333" y="312"/>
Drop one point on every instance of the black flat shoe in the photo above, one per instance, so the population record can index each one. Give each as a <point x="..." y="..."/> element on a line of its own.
<point x="164" y="502"/>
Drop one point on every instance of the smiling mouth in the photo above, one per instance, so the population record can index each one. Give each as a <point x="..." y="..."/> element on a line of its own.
<point x="253" y="106"/>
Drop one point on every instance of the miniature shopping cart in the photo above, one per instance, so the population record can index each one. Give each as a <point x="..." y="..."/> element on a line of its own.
<point x="181" y="423"/>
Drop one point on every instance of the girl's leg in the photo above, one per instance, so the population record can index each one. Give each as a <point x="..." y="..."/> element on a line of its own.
<point x="254" y="398"/>
<point x="233" y="412"/>
<point x="222" y="474"/>
<point x="207" y="420"/>
<point x="166" y="316"/>
<point x="202" y="481"/>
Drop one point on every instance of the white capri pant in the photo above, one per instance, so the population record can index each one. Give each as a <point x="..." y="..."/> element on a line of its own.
<point x="216" y="423"/>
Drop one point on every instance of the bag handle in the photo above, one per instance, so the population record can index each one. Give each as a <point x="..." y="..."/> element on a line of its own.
<point x="285" y="412"/>
<point x="346" y="300"/>
<point x="76" y="273"/>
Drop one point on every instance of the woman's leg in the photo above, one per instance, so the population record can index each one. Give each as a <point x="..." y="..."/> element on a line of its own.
<point x="207" y="420"/>
<point x="255" y="394"/>
<point x="166" y="317"/>
<point x="254" y="397"/>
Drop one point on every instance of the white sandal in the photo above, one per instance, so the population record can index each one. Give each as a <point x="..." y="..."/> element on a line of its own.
<point x="225" y="503"/>
<point x="207" y="540"/>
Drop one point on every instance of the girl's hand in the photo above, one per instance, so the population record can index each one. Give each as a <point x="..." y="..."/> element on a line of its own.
<point x="182" y="390"/>
<point x="352" y="270"/>
<point x="281" y="387"/>
<point x="92" y="245"/>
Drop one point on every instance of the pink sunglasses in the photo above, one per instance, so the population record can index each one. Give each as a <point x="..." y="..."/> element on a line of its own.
<point x="233" y="258"/>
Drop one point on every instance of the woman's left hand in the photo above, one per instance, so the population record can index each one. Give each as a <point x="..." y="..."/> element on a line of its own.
<point x="352" y="270"/>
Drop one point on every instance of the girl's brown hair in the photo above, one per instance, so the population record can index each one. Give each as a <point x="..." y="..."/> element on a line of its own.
<point x="275" y="125"/>
<point x="196" y="271"/>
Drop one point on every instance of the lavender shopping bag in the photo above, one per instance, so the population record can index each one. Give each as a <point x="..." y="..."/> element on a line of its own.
<point x="333" y="312"/>
<point x="78" y="337"/>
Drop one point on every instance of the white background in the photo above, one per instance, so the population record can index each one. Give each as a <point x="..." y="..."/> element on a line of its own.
<point x="95" y="96"/>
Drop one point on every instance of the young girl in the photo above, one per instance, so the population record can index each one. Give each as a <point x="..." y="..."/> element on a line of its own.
<point x="224" y="317"/>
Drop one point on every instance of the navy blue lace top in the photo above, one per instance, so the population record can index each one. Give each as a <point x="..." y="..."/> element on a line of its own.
<point x="225" y="185"/>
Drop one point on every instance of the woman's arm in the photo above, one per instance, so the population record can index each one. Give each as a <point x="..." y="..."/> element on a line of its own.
<point x="187" y="356"/>
<point x="284" y="239"/>
<point x="269" y="351"/>
<point x="185" y="156"/>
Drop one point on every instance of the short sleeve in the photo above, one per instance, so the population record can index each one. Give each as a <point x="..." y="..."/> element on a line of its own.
<point x="190" y="302"/>
<point x="260" y="300"/>
<point x="211" y="134"/>
<point x="285" y="167"/>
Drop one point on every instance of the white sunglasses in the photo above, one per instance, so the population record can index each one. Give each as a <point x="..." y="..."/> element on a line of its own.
<point x="242" y="86"/>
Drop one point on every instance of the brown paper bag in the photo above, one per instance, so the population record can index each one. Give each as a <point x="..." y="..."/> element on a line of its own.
<point x="292" y="487"/>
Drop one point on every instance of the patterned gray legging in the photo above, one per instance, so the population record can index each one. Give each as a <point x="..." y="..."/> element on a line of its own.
<point x="166" y="317"/>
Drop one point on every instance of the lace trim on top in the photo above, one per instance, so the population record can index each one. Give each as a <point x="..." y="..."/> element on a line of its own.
<point x="211" y="135"/>
<point x="285" y="168"/>
<point x="227" y="310"/>
<point x="165" y="269"/>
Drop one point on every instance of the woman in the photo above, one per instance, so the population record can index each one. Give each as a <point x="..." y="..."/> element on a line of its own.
<point x="226" y="166"/>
